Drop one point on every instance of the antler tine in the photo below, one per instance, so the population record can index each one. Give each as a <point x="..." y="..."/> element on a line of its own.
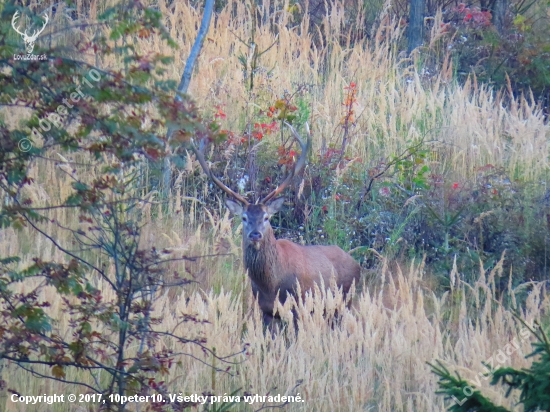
<point x="46" y="20"/>
<point x="38" y="31"/>
<point x="200" y="157"/>
<point x="297" y="167"/>
<point x="13" y="19"/>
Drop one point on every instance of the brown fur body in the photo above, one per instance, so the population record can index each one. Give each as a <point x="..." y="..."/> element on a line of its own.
<point x="274" y="266"/>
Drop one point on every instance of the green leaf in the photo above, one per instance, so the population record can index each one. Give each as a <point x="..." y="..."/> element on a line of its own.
<point x="10" y="259"/>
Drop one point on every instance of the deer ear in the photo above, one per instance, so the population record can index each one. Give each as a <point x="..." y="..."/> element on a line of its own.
<point x="275" y="205"/>
<point x="234" y="207"/>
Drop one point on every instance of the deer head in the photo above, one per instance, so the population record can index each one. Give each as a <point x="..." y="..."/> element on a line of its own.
<point x="256" y="226"/>
<point x="29" y="40"/>
<point x="256" y="217"/>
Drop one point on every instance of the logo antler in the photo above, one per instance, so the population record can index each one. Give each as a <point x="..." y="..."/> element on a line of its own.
<point x="29" y="40"/>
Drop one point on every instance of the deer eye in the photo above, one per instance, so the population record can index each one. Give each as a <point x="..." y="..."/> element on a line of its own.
<point x="244" y="218"/>
<point x="266" y="219"/>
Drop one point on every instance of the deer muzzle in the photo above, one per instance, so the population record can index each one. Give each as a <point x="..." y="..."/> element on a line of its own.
<point x="255" y="237"/>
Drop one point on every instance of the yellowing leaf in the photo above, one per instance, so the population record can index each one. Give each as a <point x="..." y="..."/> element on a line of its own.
<point x="58" y="372"/>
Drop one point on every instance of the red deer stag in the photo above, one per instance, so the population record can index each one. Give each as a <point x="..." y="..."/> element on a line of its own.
<point x="274" y="265"/>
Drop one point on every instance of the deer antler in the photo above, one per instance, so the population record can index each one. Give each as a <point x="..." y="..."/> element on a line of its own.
<point x="297" y="167"/>
<point x="199" y="153"/>
<point x="14" y="18"/>
<point x="37" y="32"/>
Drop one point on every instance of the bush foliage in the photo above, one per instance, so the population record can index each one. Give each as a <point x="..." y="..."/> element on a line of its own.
<point x="532" y="383"/>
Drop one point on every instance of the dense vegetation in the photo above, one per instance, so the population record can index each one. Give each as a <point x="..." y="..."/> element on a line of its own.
<point x="120" y="267"/>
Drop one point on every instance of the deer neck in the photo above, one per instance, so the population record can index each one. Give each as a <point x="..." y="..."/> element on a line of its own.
<point x="261" y="262"/>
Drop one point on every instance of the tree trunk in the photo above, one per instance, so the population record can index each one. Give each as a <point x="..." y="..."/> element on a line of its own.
<point x="499" y="14"/>
<point x="184" y="85"/>
<point x="416" y="24"/>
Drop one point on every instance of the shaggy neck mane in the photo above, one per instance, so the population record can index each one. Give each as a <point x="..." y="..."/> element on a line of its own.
<point x="261" y="262"/>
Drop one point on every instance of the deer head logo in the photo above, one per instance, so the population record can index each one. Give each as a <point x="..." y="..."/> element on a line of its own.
<point x="28" y="39"/>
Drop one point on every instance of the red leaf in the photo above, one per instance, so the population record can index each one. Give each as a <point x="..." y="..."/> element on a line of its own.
<point x="153" y="153"/>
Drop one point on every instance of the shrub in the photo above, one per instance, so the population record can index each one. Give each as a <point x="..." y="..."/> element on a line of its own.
<point x="533" y="383"/>
<point x="103" y="334"/>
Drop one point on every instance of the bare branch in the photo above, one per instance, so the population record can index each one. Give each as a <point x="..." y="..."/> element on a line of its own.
<point x="195" y="50"/>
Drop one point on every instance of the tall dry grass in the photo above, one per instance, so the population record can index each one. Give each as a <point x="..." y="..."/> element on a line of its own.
<point x="375" y="359"/>
<point x="473" y="124"/>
